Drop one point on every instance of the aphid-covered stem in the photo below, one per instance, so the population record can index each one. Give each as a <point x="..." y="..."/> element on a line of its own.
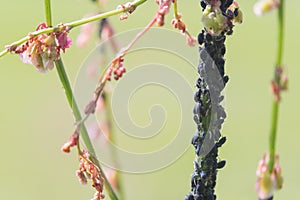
<point x="209" y="115"/>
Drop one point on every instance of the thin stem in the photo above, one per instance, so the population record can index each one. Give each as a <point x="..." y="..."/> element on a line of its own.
<point x="280" y="33"/>
<point x="103" y="79"/>
<point x="273" y="135"/>
<point x="71" y="25"/>
<point x="275" y="109"/>
<point x="47" y="4"/>
<point x="175" y="9"/>
<point x="138" y="36"/>
<point x="83" y="132"/>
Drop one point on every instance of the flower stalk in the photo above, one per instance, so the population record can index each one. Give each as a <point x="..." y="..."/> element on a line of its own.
<point x="269" y="178"/>
<point x="277" y="80"/>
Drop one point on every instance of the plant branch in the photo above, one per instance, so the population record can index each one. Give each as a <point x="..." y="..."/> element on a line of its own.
<point x="275" y="109"/>
<point x="73" y="24"/>
<point x="84" y="134"/>
<point x="90" y="108"/>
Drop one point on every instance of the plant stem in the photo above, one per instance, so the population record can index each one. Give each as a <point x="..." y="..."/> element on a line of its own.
<point x="280" y="33"/>
<point x="83" y="132"/>
<point x="175" y="9"/>
<point x="48" y="12"/>
<point x="70" y="25"/>
<point x="275" y="109"/>
<point x="72" y="103"/>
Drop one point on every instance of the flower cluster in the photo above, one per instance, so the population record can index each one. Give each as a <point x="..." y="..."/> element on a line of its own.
<point x="209" y="115"/>
<point x="267" y="182"/>
<point x="88" y="170"/>
<point x="117" y="69"/>
<point x="42" y="50"/>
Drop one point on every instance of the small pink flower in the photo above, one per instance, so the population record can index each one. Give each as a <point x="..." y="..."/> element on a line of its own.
<point x="264" y="6"/>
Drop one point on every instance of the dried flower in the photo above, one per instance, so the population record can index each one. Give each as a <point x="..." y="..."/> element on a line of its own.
<point x="178" y="24"/>
<point x="42" y="50"/>
<point x="267" y="182"/>
<point x="264" y="6"/>
<point x="117" y="69"/>
<point x="63" y="41"/>
<point x="88" y="170"/>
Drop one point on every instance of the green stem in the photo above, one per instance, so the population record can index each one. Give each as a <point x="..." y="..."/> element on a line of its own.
<point x="273" y="135"/>
<point x="280" y="33"/>
<point x="72" y="103"/>
<point x="47" y="4"/>
<point x="175" y="9"/>
<point x="83" y="132"/>
<point x="73" y="24"/>
<point x="275" y="109"/>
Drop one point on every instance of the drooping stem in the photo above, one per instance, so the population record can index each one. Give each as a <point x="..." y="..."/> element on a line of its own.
<point x="71" y="25"/>
<point x="83" y="132"/>
<point x="275" y="108"/>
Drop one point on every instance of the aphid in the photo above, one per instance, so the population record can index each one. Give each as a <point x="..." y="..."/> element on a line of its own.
<point x="230" y="14"/>
<point x="236" y="12"/>
<point x="195" y="139"/>
<point x="189" y="197"/>
<point x="221" y="141"/>
<point x="203" y="4"/>
<point x="225" y="79"/>
<point x="200" y="187"/>
<point x="221" y="164"/>
<point x="201" y="38"/>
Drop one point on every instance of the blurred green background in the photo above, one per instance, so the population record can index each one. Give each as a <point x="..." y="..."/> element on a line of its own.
<point x="35" y="119"/>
